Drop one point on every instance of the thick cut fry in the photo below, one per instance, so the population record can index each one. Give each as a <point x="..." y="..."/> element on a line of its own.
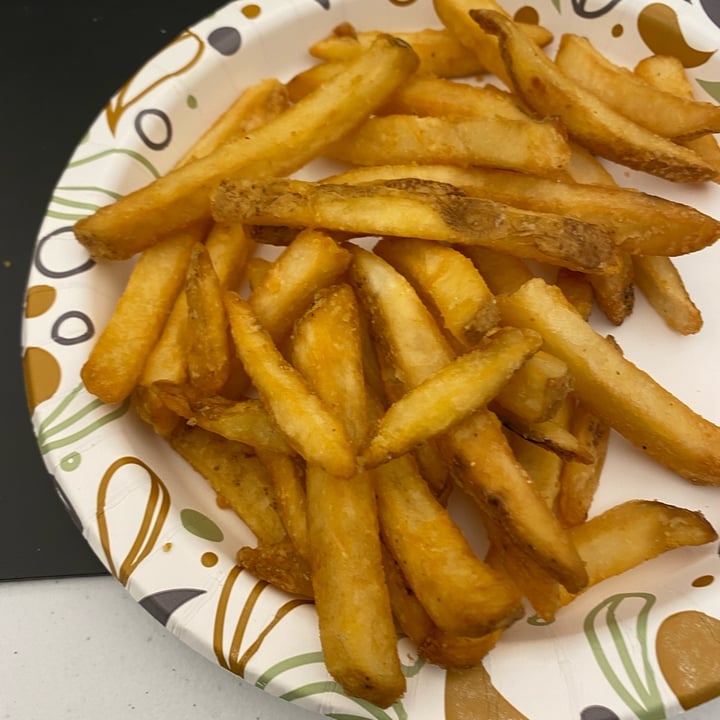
<point x="579" y="481"/>
<point x="578" y="290"/>
<point x="455" y="15"/>
<point x="614" y="291"/>
<point x="502" y="272"/>
<point x="117" y="358"/>
<point x="237" y="477"/>
<point x="312" y="261"/>
<point x="641" y="224"/>
<point x="483" y="463"/>
<point x="283" y="145"/>
<point x="537" y="147"/>
<point x="544" y="88"/>
<point x="254" y="107"/>
<point x="279" y="564"/>
<point x="448" y="283"/>
<point x="542" y="465"/>
<point x="616" y="390"/>
<point x="661" y="112"/>
<point x="310" y="427"/>
<point x="461" y="594"/>
<point x="208" y="343"/>
<point x="449" y="395"/>
<point x="668" y="73"/>
<point x="536" y="391"/>
<point x="344" y="542"/>
<point x="418" y="208"/>
<point x="635" y="531"/>
<point x="661" y="283"/>
<point x="439" y="52"/>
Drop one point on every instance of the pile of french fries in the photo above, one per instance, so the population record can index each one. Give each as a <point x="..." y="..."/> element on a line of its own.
<point x="422" y="328"/>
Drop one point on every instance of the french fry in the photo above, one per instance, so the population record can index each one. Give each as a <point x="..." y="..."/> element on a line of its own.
<point x="661" y="283"/>
<point x="587" y="118"/>
<point x="641" y="224"/>
<point x="668" y="73"/>
<point x="440" y="53"/>
<point x="245" y="421"/>
<point x="342" y="519"/>
<point x="312" y="261"/>
<point x="483" y="464"/>
<point x="237" y="477"/>
<point x="536" y="391"/>
<point x="616" y="390"/>
<point x="415" y="527"/>
<point x="118" y="356"/>
<point x="635" y="531"/>
<point x="306" y="421"/>
<point x="281" y="146"/>
<point x="278" y="564"/>
<point x="538" y="147"/>
<point x="417" y="208"/>
<point x="455" y="15"/>
<point x="577" y="288"/>
<point x="664" y="113"/>
<point x="208" y="344"/>
<point x="448" y="283"/>
<point x="542" y="465"/>
<point x="579" y="481"/>
<point x="449" y="395"/>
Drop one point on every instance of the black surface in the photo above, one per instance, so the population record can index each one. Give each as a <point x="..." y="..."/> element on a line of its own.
<point x="59" y="64"/>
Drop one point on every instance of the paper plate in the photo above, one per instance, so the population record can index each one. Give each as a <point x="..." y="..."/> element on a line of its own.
<point x="616" y="652"/>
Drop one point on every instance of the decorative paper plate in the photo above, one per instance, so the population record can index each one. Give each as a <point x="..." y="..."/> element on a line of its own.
<point x="619" y="651"/>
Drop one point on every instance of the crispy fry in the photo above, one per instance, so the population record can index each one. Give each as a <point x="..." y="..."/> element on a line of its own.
<point x="544" y="88"/>
<point x="236" y="476"/>
<point x="627" y="93"/>
<point x="661" y="283"/>
<point x="538" y="147"/>
<point x="436" y="558"/>
<point x="312" y="261"/>
<point x="279" y="564"/>
<point x="615" y="389"/>
<point x="281" y="146"/>
<point x="449" y="395"/>
<point x="417" y="208"/>
<point x="344" y="543"/>
<point x="542" y="465"/>
<point x="117" y="358"/>
<point x="635" y="531"/>
<point x="641" y="224"/>
<point x="578" y="290"/>
<point x="448" y="283"/>
<point x="309" y="425"/>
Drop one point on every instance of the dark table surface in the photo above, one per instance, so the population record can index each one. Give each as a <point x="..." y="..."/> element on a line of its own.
<point x="60" y="63"/>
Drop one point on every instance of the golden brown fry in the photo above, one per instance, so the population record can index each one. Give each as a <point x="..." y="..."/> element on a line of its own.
<point x="579" y="481"/>
<point x="502" y="272"/>
<point x="614" y="291"/>
<point x="635" y="531"/>
<point x="455" y="15"/>
<point x="281" y="146"/>
<point x="537" y="147"/>
<point x="449" y="395"/>
<point x="418" y="208"/>
<point x="544" y="88"/>
<point x="668" y="73"/>
<point x="641" y="224"/>
<point x="237" y="476"/>
<point x="342" y="520"/>
<point x="537" y="390"/>
<point x="254" y="107"/>
<point x="630" y="95"/>
<point x="312" y="261"/>
<point x="208" y="344"/>
<point x="118" y="356"/>
<point x="578" y="290"/>
<point x="461" y="594"/>
<point x="279" y="564"/>
<point x="615" y="389"/>
<point x="661" y="283"/>
<point x="483" y="464"/>
<point x="448" y="283"/>
<point x="310" y="427"/>
<point x="244" y="421"/>
<point x="542" y="465"/>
